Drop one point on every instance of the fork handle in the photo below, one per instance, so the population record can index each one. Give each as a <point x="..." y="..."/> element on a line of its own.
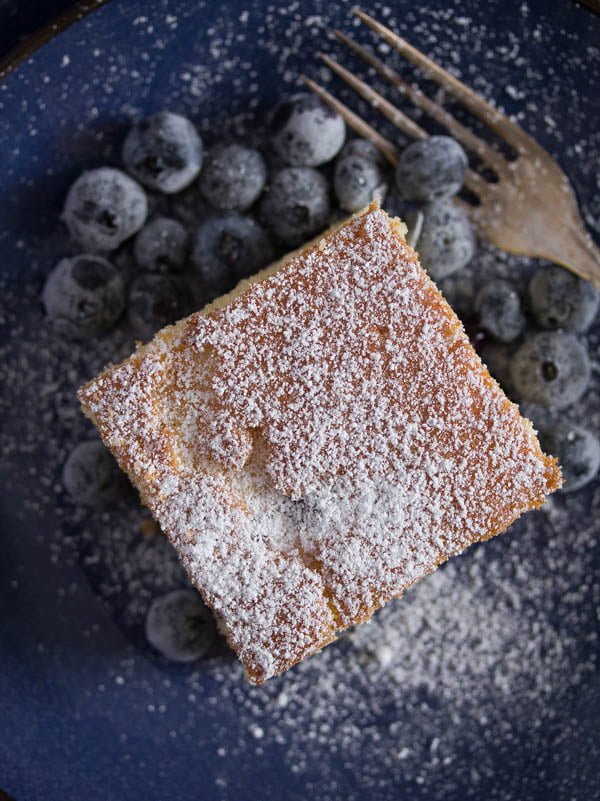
<point x="575" y="249"/>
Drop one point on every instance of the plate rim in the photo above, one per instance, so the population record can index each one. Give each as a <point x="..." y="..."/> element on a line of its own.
<point x="41" y="36"/>
<point x="82" y="8"/>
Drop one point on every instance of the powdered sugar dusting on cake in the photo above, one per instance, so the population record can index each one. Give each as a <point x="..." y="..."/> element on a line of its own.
<point x="320" y="444"/>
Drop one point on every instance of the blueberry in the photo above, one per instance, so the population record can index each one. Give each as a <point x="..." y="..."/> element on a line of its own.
<point x="164" y="152"/>
<point x="497" y="359"/>
<point x="104" y="207"/>
<point x="357" y="182"/>
<point x="161" y="246"/>
<point x="459" y="291"/>
<point x="84" y="296"/>
<point x="180" y="626"/>
<point x="577" y="451"/>
<point x="396" y="206"/>
<point x="560" y="299"/>
<point x="155" y="301"/>
<point x="430" y="169"/>
<point x="363" y="148"/>
<point x="229" y="248"/>
<point x="296" y="205"/>
<point x="551" y="369"/>
<point x="232" y="177"/>
<point x="189" y="207"/>
<point x="447" y="242"/>
<point x="305" y="132"/>
<point x="499" y="309"/>
<point x="91" y="475"/>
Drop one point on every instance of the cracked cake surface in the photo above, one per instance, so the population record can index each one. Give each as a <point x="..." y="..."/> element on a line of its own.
<point x="318" y="441"/>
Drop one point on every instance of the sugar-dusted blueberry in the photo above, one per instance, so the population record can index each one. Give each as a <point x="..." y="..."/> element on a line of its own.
<point x="104" y="207"/>
<point x="499" y="309"/>
<point x="447" y="241"/>
<point x="357" y="181"/>
<point x="552" y="369"/>
<point x="396" y="206"/>
<point x="560" y="299"/>
<point x="430" y="169"/>
<point x="156" y="300"/>
<point x="232" y="177"/>
<point x="305" y="131"/>
<point x="459" y="290"/>
<point x="578" y="452"/>
<point x="180" y="626"/>
<point x="84" y="296"/>
<point x="228" y="248"/>
<point x="161" y="246"/>
<point x="363" y="148"/>
<point x="91" y="475"/>
<point x="497" y="358"/>
<point x="296" y="204"/>
<point x="164" y="152"/>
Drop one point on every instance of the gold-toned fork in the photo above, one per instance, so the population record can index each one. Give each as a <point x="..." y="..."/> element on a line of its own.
<point x="530" y="209"/>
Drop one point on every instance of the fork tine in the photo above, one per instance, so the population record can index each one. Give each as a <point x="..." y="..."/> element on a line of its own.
<point x="393" y="114"/>
<point x="362" y="128"/>
<point x="473" y="181"/>
<point x="471" y="141"/>
<point x="389" y="150"/>
<point x="494" y="119"/>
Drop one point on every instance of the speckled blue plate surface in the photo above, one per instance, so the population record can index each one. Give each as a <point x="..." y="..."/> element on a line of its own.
<point x="483" y="683"/>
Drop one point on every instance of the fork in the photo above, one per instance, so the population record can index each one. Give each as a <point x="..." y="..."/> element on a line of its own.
<point x="530" y="209"/>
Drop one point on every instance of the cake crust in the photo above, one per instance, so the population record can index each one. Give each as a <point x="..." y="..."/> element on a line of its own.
<point x="320" y="442"/>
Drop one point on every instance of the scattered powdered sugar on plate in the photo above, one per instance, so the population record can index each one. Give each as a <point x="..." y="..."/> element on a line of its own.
<point x="479" y="647"/>
<point x="479" y="677"/>
<point x="495" y="642"/>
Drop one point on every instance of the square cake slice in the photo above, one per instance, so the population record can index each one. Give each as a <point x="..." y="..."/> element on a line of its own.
<point x="318" y="440"/>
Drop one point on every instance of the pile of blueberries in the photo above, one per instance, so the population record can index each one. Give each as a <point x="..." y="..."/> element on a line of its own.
<point x="545" y="361"/>
<point x="249" y="207"/>
<point x="247" y="213"/>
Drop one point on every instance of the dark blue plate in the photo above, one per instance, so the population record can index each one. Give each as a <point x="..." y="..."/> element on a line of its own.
<point x="483" y="683"/>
